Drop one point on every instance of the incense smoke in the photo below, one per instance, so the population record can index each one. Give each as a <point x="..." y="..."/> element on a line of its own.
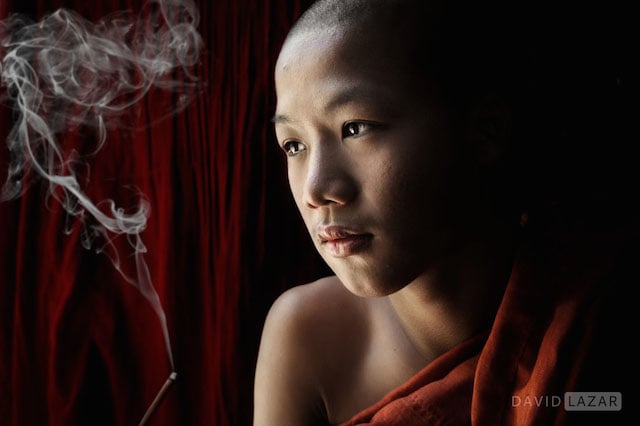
<point x="64" y="73"/>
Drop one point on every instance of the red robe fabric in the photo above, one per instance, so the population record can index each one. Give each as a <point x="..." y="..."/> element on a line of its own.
<point x="552" y="334"/>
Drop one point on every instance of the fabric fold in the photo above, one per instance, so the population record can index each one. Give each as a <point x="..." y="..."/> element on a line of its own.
<point x="548" y="334"/>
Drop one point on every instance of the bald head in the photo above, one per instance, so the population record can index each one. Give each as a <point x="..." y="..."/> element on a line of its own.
<point x="464" y="49"/>
<point x="358" y="15"/>
<point x="448" y="56"/>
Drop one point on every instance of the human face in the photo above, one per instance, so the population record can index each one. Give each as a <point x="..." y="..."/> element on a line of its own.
<point x="380" y="185"/>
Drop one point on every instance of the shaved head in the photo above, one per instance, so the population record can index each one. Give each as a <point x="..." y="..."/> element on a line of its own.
<point x="463" y="49"/>
<point x="451" y="54"/>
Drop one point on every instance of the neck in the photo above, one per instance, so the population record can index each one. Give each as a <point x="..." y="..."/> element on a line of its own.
<point x="458" y="297"/>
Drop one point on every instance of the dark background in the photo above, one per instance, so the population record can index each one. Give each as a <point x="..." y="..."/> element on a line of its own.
<point x="79" y="346"/>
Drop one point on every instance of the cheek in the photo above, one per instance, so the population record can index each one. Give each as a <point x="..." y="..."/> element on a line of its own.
<point x="296" y="185"/>
<point x="399" y="178"/>
<point x="410" y="188"/>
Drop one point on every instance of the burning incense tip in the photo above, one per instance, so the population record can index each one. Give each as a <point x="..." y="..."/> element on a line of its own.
<point x="158" y="399"/>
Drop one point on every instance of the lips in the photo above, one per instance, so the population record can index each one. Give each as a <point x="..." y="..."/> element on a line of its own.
<point x="340" y="241"/>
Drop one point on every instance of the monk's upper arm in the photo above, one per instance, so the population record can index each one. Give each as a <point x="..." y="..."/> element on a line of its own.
<point x="286" y="392"/>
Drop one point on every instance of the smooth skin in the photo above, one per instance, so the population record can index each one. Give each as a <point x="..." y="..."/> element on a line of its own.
<point x="370" y="151"/>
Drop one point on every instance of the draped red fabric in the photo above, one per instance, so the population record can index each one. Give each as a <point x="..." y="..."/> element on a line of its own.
<point x="78" y="344"/>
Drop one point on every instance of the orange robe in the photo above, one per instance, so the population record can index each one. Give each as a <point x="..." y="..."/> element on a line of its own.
<point x="554" y="332"/>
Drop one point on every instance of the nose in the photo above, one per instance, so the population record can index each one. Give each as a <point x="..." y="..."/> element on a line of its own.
<point x="330" y="178"/>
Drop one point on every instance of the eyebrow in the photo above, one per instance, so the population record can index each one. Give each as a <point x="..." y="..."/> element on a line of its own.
<point x="281" y="119"/>
<point x="349" y="96"/>
<point x="343" y="97"/>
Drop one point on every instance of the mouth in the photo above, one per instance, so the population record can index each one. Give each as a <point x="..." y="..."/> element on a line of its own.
<point x="343" y="242"/>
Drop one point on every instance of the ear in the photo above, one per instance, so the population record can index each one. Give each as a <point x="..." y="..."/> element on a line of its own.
<point x="490" y="130"/>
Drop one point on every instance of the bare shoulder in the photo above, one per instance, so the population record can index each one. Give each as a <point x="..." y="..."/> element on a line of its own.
<point x="312" y="331"/>
<point x="325" y="300"/>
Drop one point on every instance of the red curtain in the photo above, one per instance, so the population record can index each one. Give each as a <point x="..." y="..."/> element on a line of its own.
<point x="78" y="344"/>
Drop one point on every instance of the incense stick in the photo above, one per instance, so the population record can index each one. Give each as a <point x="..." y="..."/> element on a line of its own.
<point x="159" y="397"/>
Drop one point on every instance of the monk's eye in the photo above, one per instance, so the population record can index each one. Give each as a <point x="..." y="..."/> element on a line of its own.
<point x="293" y="148"/>
<point x="353" y="128"/>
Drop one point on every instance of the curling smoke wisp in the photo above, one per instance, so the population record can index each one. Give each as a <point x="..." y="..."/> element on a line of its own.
<point x="64" y="73"/>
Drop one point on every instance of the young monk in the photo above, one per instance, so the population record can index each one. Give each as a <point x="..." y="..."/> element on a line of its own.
<point x="442" y="308"/>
